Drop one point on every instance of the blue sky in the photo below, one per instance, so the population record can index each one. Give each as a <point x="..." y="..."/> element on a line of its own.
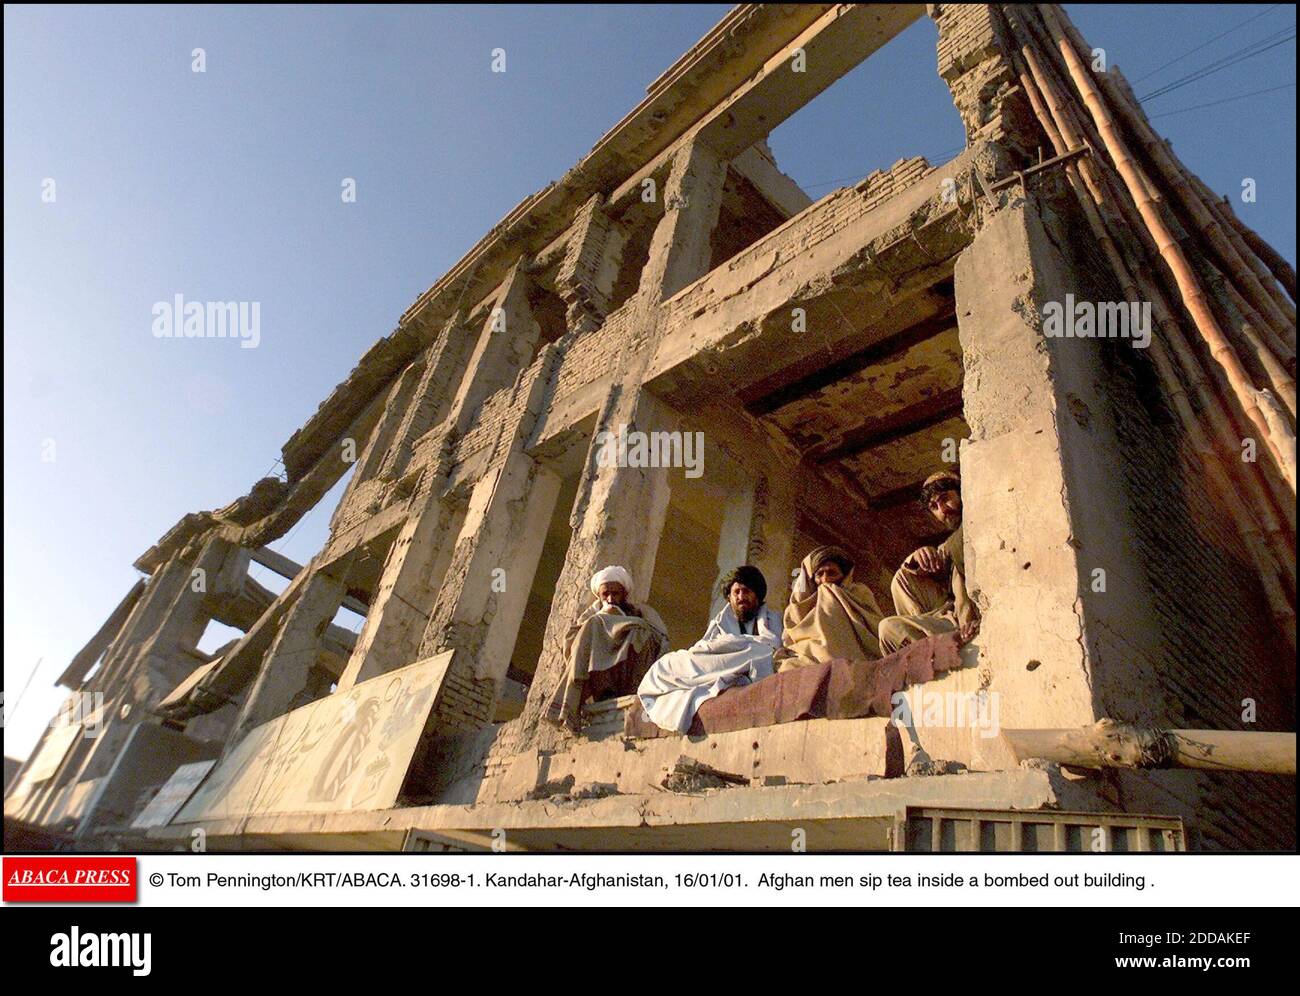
<point x="225" y="185"/>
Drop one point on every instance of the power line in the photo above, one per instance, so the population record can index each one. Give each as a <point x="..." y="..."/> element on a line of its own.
<point x="1205" y="43"/>
<point x="1225" y="100"/>
<point x="1241" y="55"/>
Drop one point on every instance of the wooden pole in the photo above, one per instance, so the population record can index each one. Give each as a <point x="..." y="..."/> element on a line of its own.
<point x="1261" y="342"/>
<point x="1283" y="271"/>
<point x="1263" y="258"/>
<point x="1193" y="294"/>
<point x="1203" y="220"/>
<point x="1257" y="284"/>
<point x="1268" y="492"/>
<point x="1086" y="183"/>
<point x="1108" y="744"/>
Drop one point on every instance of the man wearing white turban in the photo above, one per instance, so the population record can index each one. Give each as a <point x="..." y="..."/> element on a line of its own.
<point x="609" y="649"/>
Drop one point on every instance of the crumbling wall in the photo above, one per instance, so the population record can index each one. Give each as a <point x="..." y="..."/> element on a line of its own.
<point x="972" y="52"/>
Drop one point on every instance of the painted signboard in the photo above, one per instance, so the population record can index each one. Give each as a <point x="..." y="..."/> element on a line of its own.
<point x="173" y="795"/>
<point x="348" y="751"/>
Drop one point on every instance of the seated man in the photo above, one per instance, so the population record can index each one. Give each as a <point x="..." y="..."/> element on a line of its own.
<point x="736" y="649"/>
<point x="830" y="615"/>
<point x="609" y="648"/>
<point x="929" y="590"/>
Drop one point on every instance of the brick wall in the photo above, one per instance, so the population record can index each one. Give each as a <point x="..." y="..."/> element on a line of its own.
<point x="972" y="43"/>
<point x="1217" y="643"/>
<point x="465" y="703"/>
<point x="592" y="356"/>
<point x="1206" y="642"/>
<point x="488" y="425"/>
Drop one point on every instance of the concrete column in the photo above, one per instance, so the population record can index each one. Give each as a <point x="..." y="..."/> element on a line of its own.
<point x="680" y="251"/>
<point x="483" y="598"/>
<point x="99" y="644"/>
<point x="505" y="346"/>
<point x="412" y="575"/>
<point x="1042" y="485"/>
<point x="397" y="406"/>
<point x="152" y="653"/>
<point x="618" y="519"/>
<point x="771" y="535"/>
<point x="444" y="369"/>
<point x="586" y="275"/>
<point x="619" y="514"/>
<point x="286" y="669"/>
<point x="733" y="537"/>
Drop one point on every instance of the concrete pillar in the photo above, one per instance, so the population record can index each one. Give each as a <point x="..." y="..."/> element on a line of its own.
<point x="587" y="273"/>
<point x="771" y="534"/>
<point x="485" y="593"/>
<point x="99" y="644"/>
<point x="412" y="575"/>
<point x="681" y="250"/>
<point x="1042" y="491"/>
<point x="150" y="755"/>
<point x="618" y="519"/>
<point x="444" y="370"/>
<point x="397" y="406"/>
<point x="153" y="652"/>
<point x="505" y="346"/>
<point x="482" y="598"/>
<point x="620" y="511"/>
<point x="286" y="669"/>
<point x="733" y="537"/>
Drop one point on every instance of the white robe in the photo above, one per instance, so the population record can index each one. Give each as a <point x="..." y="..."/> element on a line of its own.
<point x="680" y="682"/>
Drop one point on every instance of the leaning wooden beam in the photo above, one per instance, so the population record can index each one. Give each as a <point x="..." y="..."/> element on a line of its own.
<point x="1262" y="257"/>
<point x="1276" y="416"/>
<point x="1174" y="175"/>
<point x="1108" y="744"/>
<point x="1268" y="495"/>
<point x="1283" y="271"/>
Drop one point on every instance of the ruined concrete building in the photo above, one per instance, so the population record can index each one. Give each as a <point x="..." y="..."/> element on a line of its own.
<point x="1131" y="562"/>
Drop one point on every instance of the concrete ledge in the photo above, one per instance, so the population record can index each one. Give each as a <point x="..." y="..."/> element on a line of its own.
<point x="846" y="816"/>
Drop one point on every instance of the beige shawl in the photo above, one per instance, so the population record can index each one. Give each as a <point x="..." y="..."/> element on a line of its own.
<point x="828" y="621"/>
<point x="608" y="652"/>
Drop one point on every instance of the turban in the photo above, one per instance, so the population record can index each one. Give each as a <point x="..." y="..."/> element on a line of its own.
<point x="751" y="577"/>
<point x="614" y="574"/>
<point x="831" y="555"/>
<point x="937" y="484"/>
<point x="805" y="581"/>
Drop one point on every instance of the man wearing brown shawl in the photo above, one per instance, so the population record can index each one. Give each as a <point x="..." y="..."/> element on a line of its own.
<point x="929" y="590"/>
<point x="830" y="615"/>
<point x="609" y="649"/>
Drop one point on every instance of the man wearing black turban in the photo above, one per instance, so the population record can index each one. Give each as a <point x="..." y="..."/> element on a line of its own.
<point x="736" y="649"/>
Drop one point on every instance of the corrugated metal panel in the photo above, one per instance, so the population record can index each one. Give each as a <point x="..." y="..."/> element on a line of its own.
<point x="994" y="830"/>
